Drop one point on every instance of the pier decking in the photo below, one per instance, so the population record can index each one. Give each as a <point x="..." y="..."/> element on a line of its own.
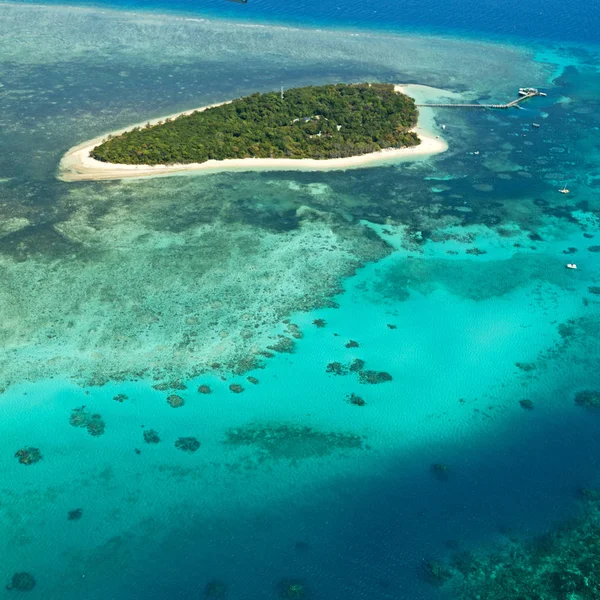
<point x="524" y="94"/>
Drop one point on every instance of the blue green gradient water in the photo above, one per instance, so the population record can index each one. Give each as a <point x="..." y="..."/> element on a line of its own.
<point x="112" y="288"/>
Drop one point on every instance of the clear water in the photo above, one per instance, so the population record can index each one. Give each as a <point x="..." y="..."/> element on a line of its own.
<point x="113" y="288"/>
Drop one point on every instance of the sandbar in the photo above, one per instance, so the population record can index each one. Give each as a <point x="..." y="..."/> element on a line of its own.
<point x="78" y="165"/>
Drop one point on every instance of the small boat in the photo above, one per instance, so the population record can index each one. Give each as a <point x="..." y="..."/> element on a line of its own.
<point x="535" y="124"/>
<point x="571" y="266"/>
<point x="564" y="190"/>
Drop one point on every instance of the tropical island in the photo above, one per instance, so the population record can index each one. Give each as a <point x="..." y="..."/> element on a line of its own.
<point x="324" y="122"/>
<point x="330" y="126"/>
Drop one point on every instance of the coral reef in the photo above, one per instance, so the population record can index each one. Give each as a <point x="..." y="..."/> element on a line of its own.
<point x="28" y="455"/>
<point x="120" y="397"/>
<point x="175" y="401"/>
<point x="291" y="589"/>
<point x="22" y="582"/>
<point x="440" y="471"/>
<point x="204" y="389"/>
<point x="337" y="368"/>
<point x="594" y="289"/>
<point x="151" y="436"/>
<point x="92" y="422"/>
<point x="283" y="344"/>
<point x="374" y="377"/>
<point x="356" y="400"/>
<point x="75" y="515"/>
<point x="588" y="398"/>
<point x="561" y="565"/>
<point x="252" y="380"/>
<point x="357" y="365"/>
<point x="320" y="323"/>
<point x="435" y="573"/>
<point x="294" y="331"/>
<point x="594" y="249"/>
<point x="292" y="442"/>
<point x="170" y="385"/>
<point x="187" y="444"/>
<point x="236" y="388"/>
<point x="215" y="590"/>
<point x="351" y="344"/>
<point x="526" y="404"/>
<point x="527" y="367"/>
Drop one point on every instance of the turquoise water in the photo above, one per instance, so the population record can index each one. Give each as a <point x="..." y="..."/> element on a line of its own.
<point x="448" y="274"/>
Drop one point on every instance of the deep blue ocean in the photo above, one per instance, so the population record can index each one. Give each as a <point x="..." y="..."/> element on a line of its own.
<point x="552" y="20"/>
<point x="112" y="294"/>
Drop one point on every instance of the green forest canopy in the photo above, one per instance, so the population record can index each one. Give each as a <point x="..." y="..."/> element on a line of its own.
<point x="328" y="121"/>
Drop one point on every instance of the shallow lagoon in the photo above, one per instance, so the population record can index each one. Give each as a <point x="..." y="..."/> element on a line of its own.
<point x="446" y="273"/>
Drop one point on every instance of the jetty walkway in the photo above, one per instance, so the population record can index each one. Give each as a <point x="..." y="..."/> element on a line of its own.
<point x="524" y="94"/>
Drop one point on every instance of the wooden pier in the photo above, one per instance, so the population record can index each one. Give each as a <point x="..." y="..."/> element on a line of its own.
<point x="524" y="94"/>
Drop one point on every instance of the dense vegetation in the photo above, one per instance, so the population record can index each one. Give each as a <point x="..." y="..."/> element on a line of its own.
<point x="329" y="121"/>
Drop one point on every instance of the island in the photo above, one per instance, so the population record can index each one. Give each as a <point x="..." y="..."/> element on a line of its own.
<point x="330" y="126"/>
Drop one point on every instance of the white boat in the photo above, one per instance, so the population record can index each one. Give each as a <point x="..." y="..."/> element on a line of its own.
<point x="564" y="189"/>
<point x="571" y="266"/>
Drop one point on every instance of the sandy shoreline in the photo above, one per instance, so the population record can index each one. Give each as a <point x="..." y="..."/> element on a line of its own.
<point x="78" y="165"/>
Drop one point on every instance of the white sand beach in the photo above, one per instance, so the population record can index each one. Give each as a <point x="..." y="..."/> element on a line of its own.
<point x="78" y="165"/>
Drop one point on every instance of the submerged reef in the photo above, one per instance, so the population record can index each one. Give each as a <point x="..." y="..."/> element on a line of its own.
<point x="440" y="471"/>
<point x="283" y="345"/>
<point x="358" y="366"/>
<point x="588" y="398"/>
<point x="561" y="565"/>
<point x="337" y="368"/>
<point x="75" y="515"/>
<point x="215" y="590"/>
<point x="354" y="399"/>
<point x="526" y="404"/>
<point x="374" y="377"/>
<point x="291" y="589"/>
<point x="175" y="401"/>
<point x="151" y="436"/>
<point x="292" y="442"/>
<point x="92" y="422"/>
<point x="204" y="389"/>
<point x="252" y="380"/>
<point x="236" y="388"/>
<point x="22" y="582"/>
<point x="187" y="444"/>
<point x="120" y="397"/>
<point x="320" y="323"/>
<point x="28" y="455"/>
<point x="435" y="572"/>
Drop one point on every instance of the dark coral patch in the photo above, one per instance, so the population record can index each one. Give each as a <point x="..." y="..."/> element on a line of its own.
<point x="175" y="401"/>
<point x="337" y="368"/>
<point x="187" y="444"/>
<point x="204" y="389"/>
<point x="236" y="388"/>
<point x="92" y="422"/>
<point x="588" y="398"/>
<point x="374" y="377"/>
<point x="75" y="515"/>
<point x="151" y="436"/>
<point x="356" y="400"/>
<point x="22" y="582"/>
<point x="28" y="455"/>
